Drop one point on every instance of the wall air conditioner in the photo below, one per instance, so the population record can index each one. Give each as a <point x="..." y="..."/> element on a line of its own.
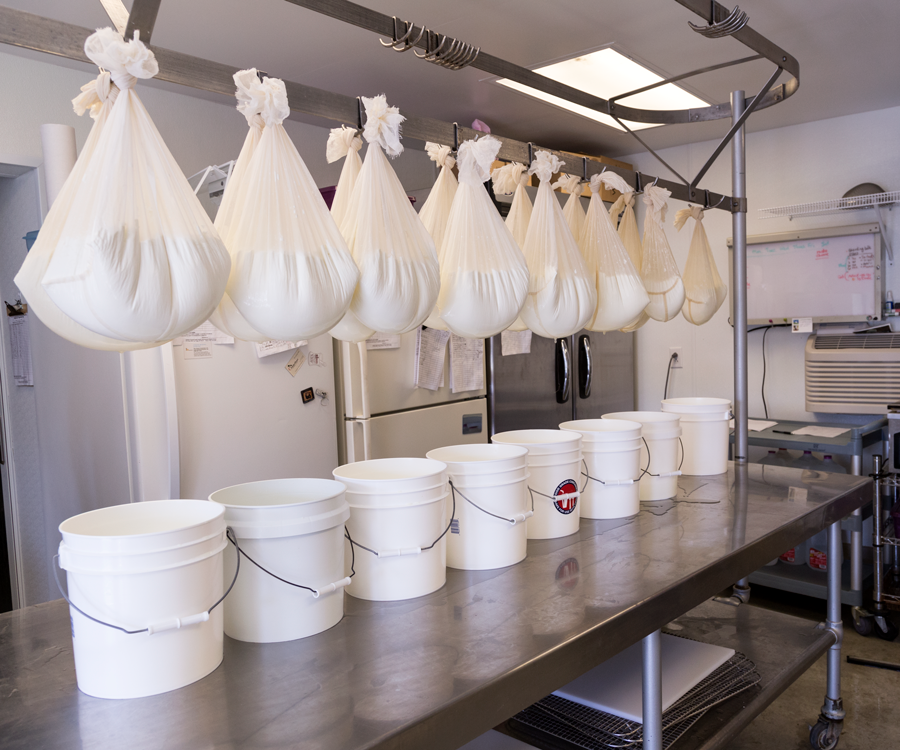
<point x="854" y="374"/>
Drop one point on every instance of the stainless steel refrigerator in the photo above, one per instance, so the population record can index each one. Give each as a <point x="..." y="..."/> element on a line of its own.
<point x="580" y="377"/>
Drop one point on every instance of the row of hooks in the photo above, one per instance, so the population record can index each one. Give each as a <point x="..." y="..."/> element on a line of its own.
<point x="731" y="24"/>
<point x="440" y="49"/>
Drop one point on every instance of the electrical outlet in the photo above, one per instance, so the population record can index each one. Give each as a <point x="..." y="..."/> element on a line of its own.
<point x="679" y="362"/>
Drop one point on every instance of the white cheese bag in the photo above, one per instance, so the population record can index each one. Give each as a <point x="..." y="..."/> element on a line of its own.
<point x="293" y="276"/>
<point x="573" y="210"/>
<point x="436" y="210"/>
<point x="96" y="97"/>
<point x="561" y="297"/>
<point x="344" y="143"/>
<point x="627" y="231"/>
<point x="138" y="258"/>
<point x="484" y="278"/>
<point x="399" y="274"/>
<point x="227" y="317"/>
<point x="704" y="290"/>
<point x="620" y="293"/>
<point x="511" y="179"/>
<point x="659" y="270"/>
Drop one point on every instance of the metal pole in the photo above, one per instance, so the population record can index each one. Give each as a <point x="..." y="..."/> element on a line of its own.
<point x="739" y="282"/>
<point x="856" y="573"/>
<point x="833" y="709"/>
<point x="652" y="691"/>
<point x="877" y="547"/>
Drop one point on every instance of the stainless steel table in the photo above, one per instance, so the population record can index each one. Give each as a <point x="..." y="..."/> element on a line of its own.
<point x="437" y="671"/>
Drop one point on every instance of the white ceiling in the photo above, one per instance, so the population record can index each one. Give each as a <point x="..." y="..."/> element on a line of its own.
<point x="847" y="51"/>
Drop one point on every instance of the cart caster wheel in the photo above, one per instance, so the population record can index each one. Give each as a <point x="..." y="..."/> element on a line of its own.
<point x="825" y="735"/>
<point x="885" y="629"/>
<point x="863" y="622"/>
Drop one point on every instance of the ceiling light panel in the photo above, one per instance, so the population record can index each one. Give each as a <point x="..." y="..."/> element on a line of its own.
<point x="607" y="73"/>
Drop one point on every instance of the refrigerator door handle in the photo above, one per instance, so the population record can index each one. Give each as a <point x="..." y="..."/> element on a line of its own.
<point x="585" y="366"/>
<point x="562" y="371"/>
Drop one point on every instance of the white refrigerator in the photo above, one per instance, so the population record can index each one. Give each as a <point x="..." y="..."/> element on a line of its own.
<point x="384" y="414"/>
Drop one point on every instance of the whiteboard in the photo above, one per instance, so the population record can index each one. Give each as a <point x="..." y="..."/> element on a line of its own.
<point x="829" y="275"/>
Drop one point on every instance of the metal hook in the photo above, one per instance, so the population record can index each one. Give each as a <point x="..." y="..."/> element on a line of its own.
<point x="731" y="24"/>
<point x="638" y="184"/>
<point x="654" y="182"/>
<point x="359" y="114"/>
<point x="261" y="74"/>
<point x="707" y="206"/>
<point x="455" y="138"/>
<point x="403" y="43"/>
<point x="530" y="153"/>
<point x="584" y="176"/>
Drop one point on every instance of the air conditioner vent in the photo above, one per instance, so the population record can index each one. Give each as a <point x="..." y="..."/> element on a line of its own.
<point x="858" y="374"/>
<point x="858" y="341"/>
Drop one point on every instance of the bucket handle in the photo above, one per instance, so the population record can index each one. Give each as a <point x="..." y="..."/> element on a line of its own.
<point x="647" y="472"/>
<point x="174" y="623"/>
<point x="326" y="589"/>
<point x="396" y="552"/>
<point x="554" y="498"/>
<point x="616" y="482"/>
<point x="518" y="518"/>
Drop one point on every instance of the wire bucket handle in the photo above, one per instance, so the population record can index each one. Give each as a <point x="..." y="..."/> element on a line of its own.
<point x="175" y="623"/>
<point x="516" y="519"/>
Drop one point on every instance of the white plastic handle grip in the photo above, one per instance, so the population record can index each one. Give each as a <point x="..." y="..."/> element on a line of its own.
<point x="670" y="474"/>
<point x="176" y="623"/>
<point x="609" y="482"/>
<point x="566" y="496"/>
<point x="521" y="517"/>
<point x="331" y="587"/>
<point x="400" y="552"/>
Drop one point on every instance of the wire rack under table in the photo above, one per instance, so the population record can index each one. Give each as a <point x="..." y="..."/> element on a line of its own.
<point x="590" y="729"/>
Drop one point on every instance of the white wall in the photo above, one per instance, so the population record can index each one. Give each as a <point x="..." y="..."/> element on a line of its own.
<point x="797" y="164"/>
<point x="71" y="459"/>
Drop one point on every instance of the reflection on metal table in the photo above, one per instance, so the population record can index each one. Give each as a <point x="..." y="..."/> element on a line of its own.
<point x="439" y="670"/>
<point x="853" y="442"/>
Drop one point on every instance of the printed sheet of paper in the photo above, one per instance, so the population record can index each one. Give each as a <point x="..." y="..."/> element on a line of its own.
<point x="206" y="333"/>
<point x="466" y="364"/>
<point x="818" y="431"/>
<point x="268" y="348"/>
<point x="383" y="341"/>
<point x="515" y="342"/>
<point x="431" y="348"/>
<point x="198" y="351"/>
<point x="20" y="343"/>
<point x="755" y="425"/>
<point x="295" y="363"/>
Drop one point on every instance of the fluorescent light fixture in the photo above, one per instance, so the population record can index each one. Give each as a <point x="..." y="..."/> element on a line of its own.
<point x="607" y="73"/>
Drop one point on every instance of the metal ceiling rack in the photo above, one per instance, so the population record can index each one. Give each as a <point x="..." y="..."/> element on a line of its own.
<point x="54" y="37"/>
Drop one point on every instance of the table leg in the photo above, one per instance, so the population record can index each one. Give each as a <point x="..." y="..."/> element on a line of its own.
<point x="652" y="691"/>
<point x="856" y="545"/>
<point x="827" y="730"/>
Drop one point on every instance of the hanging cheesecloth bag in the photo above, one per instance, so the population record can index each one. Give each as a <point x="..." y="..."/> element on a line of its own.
<point x="620" y="293"/>
<point x="293" y="275"/>
<point x="573" y="210"/>
<point x="436" y="210"/>
<point x="704" y="290"/>
<point x="627" y="231"/>
<point x="511" y="179"/>
<point x="344" y="143"/>
<point x="138" y="258"/>
<point x="97" y="98"/>
<point x="227" y="317"/>
<point x="484" y="278"/>
<point x="561" y="297"/>
<point x="659" y="271"/>
<point x="399" y="274"/>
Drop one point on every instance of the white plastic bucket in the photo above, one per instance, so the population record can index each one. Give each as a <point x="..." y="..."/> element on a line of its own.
<point x="491" y="502"/>
<point x="705" y="433"/>
<point x="293" y="528"/>
<point x="611" y="468"/>
<point x="554" y="462"/>
<point x="397" y="517"/>
<point x="661" y="452"/>
<point x="155" y="565"/>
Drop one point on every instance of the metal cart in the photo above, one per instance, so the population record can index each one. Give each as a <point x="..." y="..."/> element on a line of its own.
<point x="884" y="540"/>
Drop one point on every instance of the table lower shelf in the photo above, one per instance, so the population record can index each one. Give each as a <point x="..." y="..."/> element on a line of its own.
<point x="801" y="579"/>
<point x="782" y="646"/>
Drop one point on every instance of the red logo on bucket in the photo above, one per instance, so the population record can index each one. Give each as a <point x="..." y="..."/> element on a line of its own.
<point x="566" y="505"/>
